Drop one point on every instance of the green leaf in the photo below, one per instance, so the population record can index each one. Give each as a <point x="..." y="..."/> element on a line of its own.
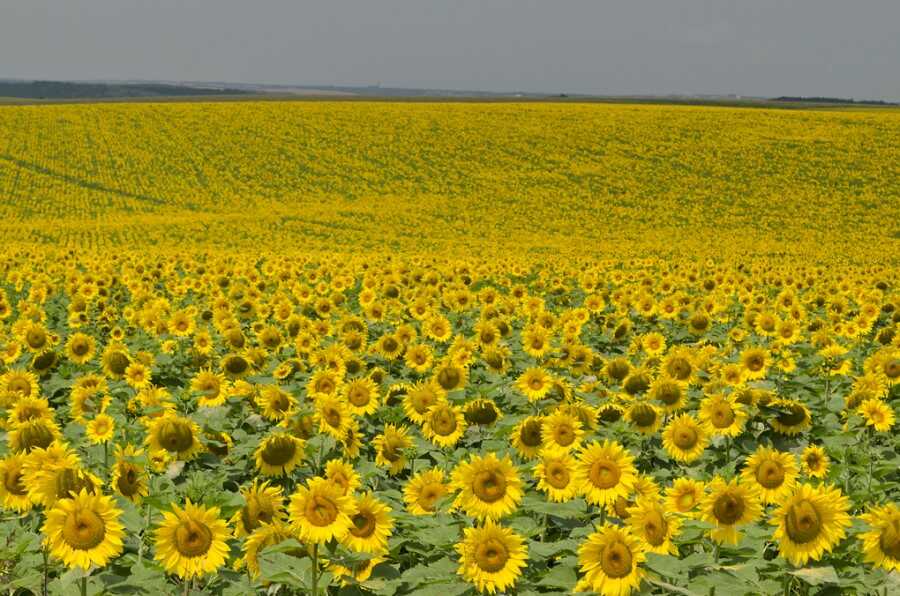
<point x="561" y="576"/>
<point x="816" y="576"/>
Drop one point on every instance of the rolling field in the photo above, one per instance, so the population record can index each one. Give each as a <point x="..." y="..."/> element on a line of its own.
<point x="448" y="348"/>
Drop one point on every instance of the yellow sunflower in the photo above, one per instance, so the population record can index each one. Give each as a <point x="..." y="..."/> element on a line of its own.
<point x="192" y="541"/>
<point x="13" y="493"/>
<point x="389" y="448"/>
<point x="444" y="425"/>
<point x="333" y="415"/>
<point x="644" y="417"/>
<point x="534" y="383"/>
<point x="684" y="496"/>
<point x="723" y="415"/>
<point x="84" y="530"/>
<point x="177" y="436"/>
<point x="489" y="487"/>
<point x="80" y="348"/>
<point x="774" y="472"/>
<point x="877" y="414"/>
<point x="810" y="523"/>
<point x="211" y="387"/>
<point x="881" y="544"/>
<point x="561" y="430"/>
<point x="263" y="504"/>
<point x="423" y="491"/>
<point x="491" y="557"/>
<point x="275" y="403"/>
<point x="755" y="363"/>
<point x="793" y="416"/>
<point x="278" y="454"/>
<point x="129" y="478"/>
<point x="649" y="520"/>
<point x="608" y="472"/>
<point x="558" y="475"/>
<point x="342" y="474"/>
<point x="684" y="439"/>
<point x="38" y="433"/>
<point x="814" y="461"/>
<point x="527" y="437"/>
<point x="610" y="560"/>
<point x="728" y="506"/>
<point x="263" y="536"/>
<point x="372" y="525"/>
<point x="320" y="511"/>
<point x="362" y="396"/>
<point x="101" y="429"/>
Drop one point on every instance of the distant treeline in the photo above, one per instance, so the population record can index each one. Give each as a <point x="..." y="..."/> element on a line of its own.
<point x="64" y="90"/>
<point x="868" y="102"/>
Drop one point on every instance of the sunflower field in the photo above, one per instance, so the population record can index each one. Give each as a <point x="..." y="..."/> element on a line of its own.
<point x="375" y="348"/>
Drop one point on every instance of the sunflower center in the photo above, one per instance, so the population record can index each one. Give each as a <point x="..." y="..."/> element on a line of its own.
<point x="489" y="486"/>
<point x="363" y="524"/>
<point x="802" y="522"/>
<point x="889" y="541"/>
<point x="655" y="528"/>
<point x="531" y="433"/>
<point x="429" y="495"/>
<point x="83" y="529"/>
<point x="685" y="501"/>
<point x="605" y="474"/>
<point x="71" y="481"/>
<point x="278" y="451"/>
<point x="755" y="362"/>
<point x="722" y="415"/>
<point x="17" y="385"/>
<point x="390" y="344"/>
<point x="491" y="555"/>
<point x="236" y="365"/>
<point x="332" y="416"/>
<point x="193" y="538"/>
<point x="892" y="368"/>
<point x="36" y="338"/>
<point x="176" y="436"/>
<point x="770" y="474"/>
<point x="359" y="397"/>
<point x="127" y="483"/>
<point x="564" y="435"/>
<point x="449" y="378"/>
<point x="12" y="481"/>
<point x="35" y="436"/>
<point x="321" y="511"/>
<point x="615" y="560"/>
<point x="118" y="362"/>
<point x="643" y="415"/>
<point x="80" y="348"/>
<point x="685" y="437"/>
<point x="679" y="368"/>
<point x="794" y="416"/>
<point x="728" y="508"/>
<point x="443" y="422"/>
<point x="669" y="394"/>
<point x="557" y="475"/>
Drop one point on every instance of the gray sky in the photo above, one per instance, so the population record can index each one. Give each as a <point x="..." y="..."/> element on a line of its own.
<point x="847" y="48"/>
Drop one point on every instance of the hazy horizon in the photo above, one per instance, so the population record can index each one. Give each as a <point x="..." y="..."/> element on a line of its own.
<point x="692" y="47"/>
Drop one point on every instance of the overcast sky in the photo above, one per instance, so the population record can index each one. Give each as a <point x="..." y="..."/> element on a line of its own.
<point x="847" y="48"/>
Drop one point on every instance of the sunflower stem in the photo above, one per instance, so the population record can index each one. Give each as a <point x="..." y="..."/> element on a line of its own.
<point x="188" y="583"/>
<point x="106" y="456"/>
<point x="44" y="585"/>
<point x="84" y="586"/>
<point x="315" y="570"/>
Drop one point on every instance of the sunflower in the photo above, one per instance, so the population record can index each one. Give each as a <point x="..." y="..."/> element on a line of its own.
<point x="263" y="536"/>
<point x="444" y="425"/>
<point x="534" y="383"/>
<point x="19" y="382"/>
<point x="420" y="397"/>
<point x="723" y="415"/>
<point x="670" y="393"/>
<point x="649" y="520"/>
<point x="654" y="343"/>
<point x="644" y="417"/>
<point x="558" y="475"/>
<point x="192" y="541"/>
<point x="101" y="429"/>
<point x="814" y="461"/>
<point x="115" y="360"/>
<point x="333" y="415"/>
<point x="728" y="506"/>
<point x="526" y="437"/>
<point x="607" y="470"/>
<point x="235" y="366"/>
<point x="211" y="387"/>
<point x="684" y="439"/>
<point x="423" y="491"/>
<point x="450" y="376"/>
<point x="536" y="341"/>
<point x="60" y="480"/>
<point x="389" y="447"/>
<point x="678" y="365"/>
<point x="491" y="557"/>
<point x="278" y="454"/>
<point x="755" y="362"/>
<point x="84" y="530"/>
<point x="13" y="494"/>
<point x="320" y="511"/>
<point x="129" y="478"/>
<point x="342" y="474"/>
<point x="610" y="560"/>
<point x="178" y="436"/>
<point x="877" y="414"/>
<point x="38" y="433"/>
<point x="360" y="572"/>
<point x="810" y="522"/>
<point x="489" y="487"/>
<point x="483" y="412"/>
<point x="361" y="396"/>
<point x="792" y="416"/>
<point x="87" y="402"/>
<point x="561" y="430"/>
<point x="774" y="472"/>
<point x="684" y="496"/>
<point x="372" y="525"/>
<point x="28" y="408"/>
<point x="881" y="544"/>
<point x="80" y="348"/>
<point x="263" y="504"/>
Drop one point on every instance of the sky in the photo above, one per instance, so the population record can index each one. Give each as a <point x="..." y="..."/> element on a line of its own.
<point x="838" y="48"/>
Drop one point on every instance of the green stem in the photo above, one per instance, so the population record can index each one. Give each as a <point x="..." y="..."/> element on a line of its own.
<point x="315" y="570"/>
<point x="44" y="585"/>
<point x="187" y="586"/>
<point x="84" y="586"/>
<point x="787" y="584"/>
<point x="106" y="456"/>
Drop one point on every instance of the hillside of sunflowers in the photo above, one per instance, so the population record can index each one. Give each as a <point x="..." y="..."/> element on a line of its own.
<point x="398" y="348"/>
